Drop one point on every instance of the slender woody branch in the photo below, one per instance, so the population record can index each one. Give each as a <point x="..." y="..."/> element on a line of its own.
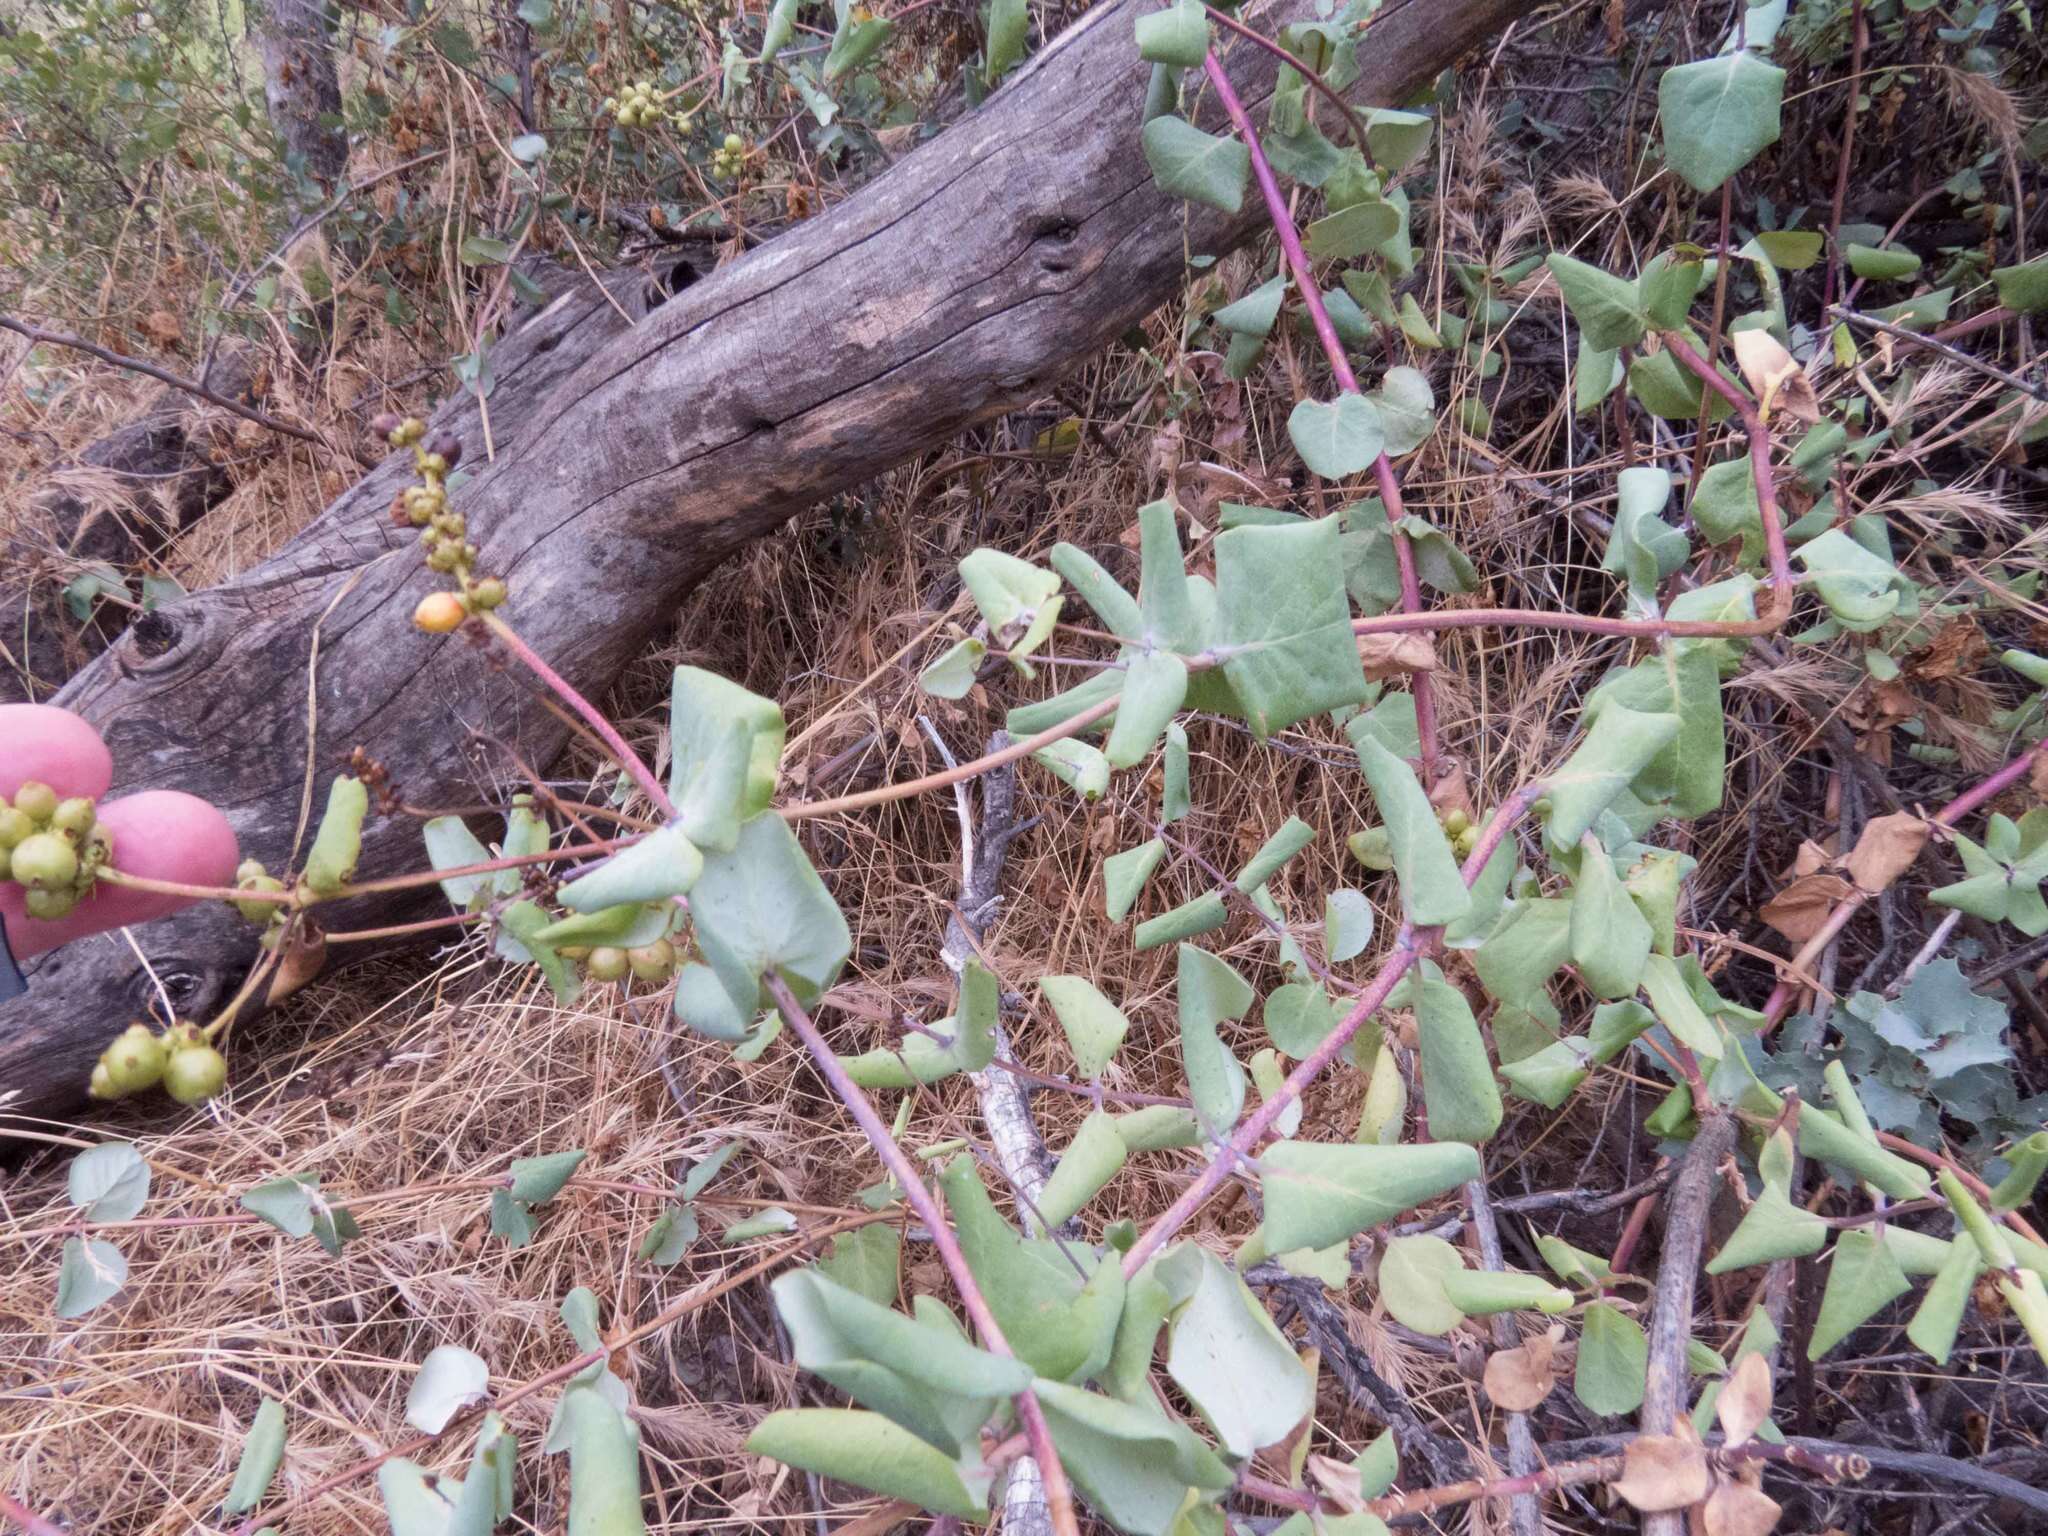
<point x="1347" y="381"/>
<point x="1059" y="1496"/>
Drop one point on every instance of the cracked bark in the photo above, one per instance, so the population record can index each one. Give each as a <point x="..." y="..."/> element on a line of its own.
<point x="956" y="286"/>
<point x="300" y="87"/>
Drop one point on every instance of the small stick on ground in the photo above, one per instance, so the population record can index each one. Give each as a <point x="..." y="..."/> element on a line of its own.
<point x="1005" y="1096"/>
<point x="1525" y="1513"/>
<point x="1685" y="1234"/>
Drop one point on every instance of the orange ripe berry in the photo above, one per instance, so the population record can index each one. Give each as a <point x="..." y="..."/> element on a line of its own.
<point x="439" y="613"/>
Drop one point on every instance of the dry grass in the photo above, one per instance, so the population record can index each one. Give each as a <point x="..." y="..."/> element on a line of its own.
<point x="396" y="1081"/>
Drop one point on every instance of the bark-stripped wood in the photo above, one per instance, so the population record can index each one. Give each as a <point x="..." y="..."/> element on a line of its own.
<point x="956" y="286"/>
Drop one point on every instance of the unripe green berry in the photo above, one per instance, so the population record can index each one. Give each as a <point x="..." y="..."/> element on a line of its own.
<point x="102" y="1084"/>
<point x="14" y="826"/>
<point x="195" y="1074"/>
<point x="735" y="143"/>
<point x="73" y="817"/>
<point x="36" y="800"/>
<point x="433" y="464"/>
<point x="135" y="1060"/>
<point x="607" y="964"/>
<point x="49" y="906"/>
<point x="653" y="962"/>
<point x="250" y="869"/>
<point x="488" y="593"/>
<point x="1455" y="822"/>
<point x="260" y="912"/>
<point x="45" y="859"/>
<point x="99" y="847"/>
<point x="444" y="559"/>
<point x="643" y="87"/>
<point x="576" y="952"/>
<point x="1466" y="841"/>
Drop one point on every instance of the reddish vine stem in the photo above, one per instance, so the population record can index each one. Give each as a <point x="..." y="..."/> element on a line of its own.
<point x="1575" y="623"/>
<point x="1607" y="1469"/>
<point x="592" y="716"/>
<point x="1759" y="434"/>
<point x="1782" y="995"/>
<point x="1409" y="946"/>
<point x="1859" y="39"/>
<point x="1316" y="82"/>
<point x="1347" y="381"/>
<point x="1059" y="1496"/>
<point x="31" y="1522"/>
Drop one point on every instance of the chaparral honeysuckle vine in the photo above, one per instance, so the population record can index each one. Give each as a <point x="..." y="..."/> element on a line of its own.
<point x="1539" y="939"/>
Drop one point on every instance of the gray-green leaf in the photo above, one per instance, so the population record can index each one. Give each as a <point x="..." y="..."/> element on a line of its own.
<point x="108" y="1182"/>
<point x="1719" y="114"/>
<point x="1195" y="165"/>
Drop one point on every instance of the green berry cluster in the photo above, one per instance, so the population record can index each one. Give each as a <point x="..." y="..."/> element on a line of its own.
<point x="1461" y="830"/>
<point x="52" y="846"/>
<point x="654" y="962"/>
<point x="250" y="875"/>
<point x="444" y="533"/>
<point x="642" y="106"/>
<point x="181" y="1059"/>
<point x="730" y="158"/>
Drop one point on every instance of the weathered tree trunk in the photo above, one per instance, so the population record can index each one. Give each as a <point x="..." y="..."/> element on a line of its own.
<point x="119" y="501"/>
<point x="300" y="87"/>
<point x="955" y="287"/>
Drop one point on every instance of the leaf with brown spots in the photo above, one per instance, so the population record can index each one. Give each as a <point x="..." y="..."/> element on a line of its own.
<point x="1775" y="376"/>
<point x="1388" y="656"/>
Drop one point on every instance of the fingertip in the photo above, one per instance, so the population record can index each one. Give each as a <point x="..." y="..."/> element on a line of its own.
<point x="40" y="741"/>
<point x="160" y="834"/>
<point x="166" y="834"/>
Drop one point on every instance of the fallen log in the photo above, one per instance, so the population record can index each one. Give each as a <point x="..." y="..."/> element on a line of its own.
<point x="119" y="501"/>
<point x="631" y="461"/>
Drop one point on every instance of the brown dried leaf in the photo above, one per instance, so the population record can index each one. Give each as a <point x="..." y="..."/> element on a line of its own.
<point x="1452" y="791"/>
<point x="1886" y="850"/>
<point x="1520" y="1379"/>
<point x="1338" y="1481"/>
<point x="1956" y="650"/>
<point x="1388" y="656"/>
<point x="1774" y="375"/>
<point x="160" y="327"/>
<point x="1799" y="910"/>
<point x="1736" y="1509"/>
<point x="1662" y="1472"/>
<point x="305" y="953"/>
<point x="1745" y="1400"/>
<point x="1811" y="858"/>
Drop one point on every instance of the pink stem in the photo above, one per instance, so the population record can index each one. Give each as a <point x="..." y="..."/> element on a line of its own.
<point x="1780" y="1000"/>
<point x="1347" y="381"/>
<point x="1576" y="623"/>
<point x="1059" y="1497"/>
<point x="592" y="716"/>
<point x="1409" y="945"/>
<point x="1759" y="458"/>
<point x="30" y="1522"/>
<point x="1992" y="787"/>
